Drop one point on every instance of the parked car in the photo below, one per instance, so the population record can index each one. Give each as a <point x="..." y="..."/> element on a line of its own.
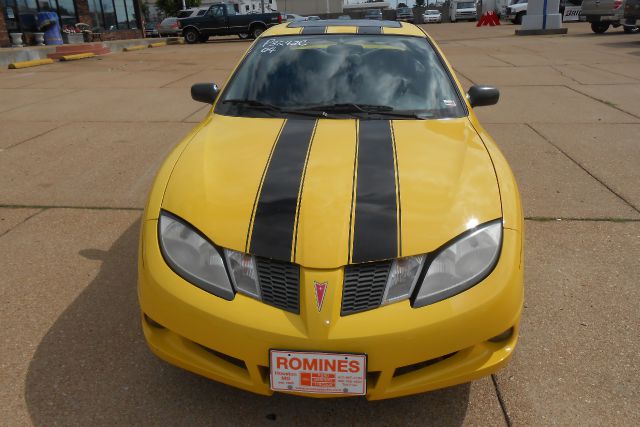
<point x="404" y="14"/>
<point x="373" y="14"/>
<point x="221" y="19"/>
<point x="328" y="235"/>
<point x="344" y="17"/>
<point x="313" y="18"/>
<point x="169" y="27"/>
<point x="295" y="17"/>
<point x="516" y="11"/>
<point x="430" y="16"/>
<point x="603" y="14"/>
<point x="151" y="29"/>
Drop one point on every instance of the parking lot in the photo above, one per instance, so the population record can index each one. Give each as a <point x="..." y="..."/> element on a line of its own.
<point x="80" y="143"/>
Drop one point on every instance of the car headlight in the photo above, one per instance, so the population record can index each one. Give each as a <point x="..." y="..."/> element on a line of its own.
<point x="193" y="257"/>
<point x="461" y="264"/>
<point x="456" y="267"/>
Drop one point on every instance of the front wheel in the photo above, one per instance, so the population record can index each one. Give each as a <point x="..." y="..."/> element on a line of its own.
<point x="191" y="36"/>
<point x="630" y="29"/>
<point x="599" y="27"/>
<point x="518" y="20"/>
<point x="243" y="36"/>
<point x="256" y="31"/>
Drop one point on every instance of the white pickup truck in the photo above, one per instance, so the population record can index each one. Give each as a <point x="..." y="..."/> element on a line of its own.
<point x="515" y="11"/>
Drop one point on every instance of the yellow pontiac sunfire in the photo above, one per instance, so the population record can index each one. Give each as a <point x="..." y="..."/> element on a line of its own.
<point x="339" y="224"/>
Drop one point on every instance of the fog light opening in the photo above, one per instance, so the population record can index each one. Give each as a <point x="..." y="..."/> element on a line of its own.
<point x="153" y="323"/>
<point x="503" y="336"/>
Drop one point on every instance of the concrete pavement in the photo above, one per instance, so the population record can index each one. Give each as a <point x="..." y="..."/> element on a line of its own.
<point x="80" y="142"/>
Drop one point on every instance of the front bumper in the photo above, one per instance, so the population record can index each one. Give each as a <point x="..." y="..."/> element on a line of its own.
<point x="409" y="350"/>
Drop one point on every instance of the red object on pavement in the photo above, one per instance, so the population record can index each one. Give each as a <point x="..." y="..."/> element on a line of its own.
<point x="488" y="18"/>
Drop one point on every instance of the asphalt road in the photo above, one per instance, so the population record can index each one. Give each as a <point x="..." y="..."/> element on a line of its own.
<point x="80" y="143"/>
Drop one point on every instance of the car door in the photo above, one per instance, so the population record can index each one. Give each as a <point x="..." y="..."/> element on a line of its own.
<point x="216" y="19"/>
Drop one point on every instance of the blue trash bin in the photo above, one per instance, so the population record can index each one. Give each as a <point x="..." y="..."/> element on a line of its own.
<point x="49" y="22"/>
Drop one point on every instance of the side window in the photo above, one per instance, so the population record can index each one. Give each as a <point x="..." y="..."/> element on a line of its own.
<point x="216" y="11"/>
<point x="202" y="12"/>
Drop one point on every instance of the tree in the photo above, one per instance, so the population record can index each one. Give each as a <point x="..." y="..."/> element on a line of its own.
<point x="172" y="7"/>
<point x="419" y="2"/>
<point x="402" y="5"/>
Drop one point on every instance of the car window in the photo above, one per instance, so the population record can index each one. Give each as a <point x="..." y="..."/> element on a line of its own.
<point x="201" y="12"/>
<point x="293" y="72"/>
<point x="466" y="5"/>
<point x="217" y="11"/>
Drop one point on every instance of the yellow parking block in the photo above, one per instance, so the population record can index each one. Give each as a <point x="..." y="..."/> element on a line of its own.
<point x="32" y="63"/>
<point x="77" y="56"/>
<point x="132" y="48"/>
<point x="158" y="44"/>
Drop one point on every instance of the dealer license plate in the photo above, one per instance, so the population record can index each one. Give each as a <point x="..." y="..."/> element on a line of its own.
<point x="321" y="373"/>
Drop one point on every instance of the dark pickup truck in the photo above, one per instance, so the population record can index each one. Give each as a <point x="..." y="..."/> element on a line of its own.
<point x="223" y="20"/>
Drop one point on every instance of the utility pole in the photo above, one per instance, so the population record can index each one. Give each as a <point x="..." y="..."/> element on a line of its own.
<point x="262" y="5"/>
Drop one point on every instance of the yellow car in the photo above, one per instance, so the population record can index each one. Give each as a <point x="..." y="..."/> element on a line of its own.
<point x="339" y="224"/>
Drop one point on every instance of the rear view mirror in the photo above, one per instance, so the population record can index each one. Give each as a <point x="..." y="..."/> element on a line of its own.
<point x="479" y="96"/>
<point x="205" y="92"/>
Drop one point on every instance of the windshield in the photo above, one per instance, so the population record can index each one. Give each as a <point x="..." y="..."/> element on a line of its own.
<point x="390" y="73"/>
<point x="466" y="5"/>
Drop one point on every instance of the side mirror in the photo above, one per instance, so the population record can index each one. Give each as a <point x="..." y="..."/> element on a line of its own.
<point x="479" y="96"/>
<point x="205" y="92"/>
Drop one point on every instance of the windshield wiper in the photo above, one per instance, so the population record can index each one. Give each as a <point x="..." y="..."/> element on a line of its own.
<point x="353" y="108"/>
<point x="259" y="105"/>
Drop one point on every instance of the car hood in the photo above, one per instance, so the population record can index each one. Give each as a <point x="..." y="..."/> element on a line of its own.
<point x="327" y="193"/>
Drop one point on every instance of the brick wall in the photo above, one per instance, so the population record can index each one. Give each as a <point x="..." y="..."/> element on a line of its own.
<point x="121" y="35"/>
<point x="5" y="41"/>
<point x="82" y="8"/>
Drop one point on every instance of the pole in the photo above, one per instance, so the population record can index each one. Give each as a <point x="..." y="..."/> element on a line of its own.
<point x="262" y="5"/>
<point x="184" y="4"/>
<point x="328" y="8"/>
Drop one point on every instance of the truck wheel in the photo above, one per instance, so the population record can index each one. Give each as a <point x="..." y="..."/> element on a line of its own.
<point x="256" y="31"/>
<point x="243" y="36"/>
<point x="518" y="20"/>
<point x="630" y="29"/>
<point x="599" y="27"/>
<point x="191" y="36"/>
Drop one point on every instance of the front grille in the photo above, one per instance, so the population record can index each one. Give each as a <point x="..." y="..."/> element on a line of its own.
<point x="364" y="286"/>
<point x="279" y="284"/>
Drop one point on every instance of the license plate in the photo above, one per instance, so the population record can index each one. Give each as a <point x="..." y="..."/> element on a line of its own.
<point x="320" y="373"/>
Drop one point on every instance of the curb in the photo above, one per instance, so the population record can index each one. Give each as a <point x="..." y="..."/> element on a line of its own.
<point x="32" y="63"/>
<point x="77" y="56"/>
<point x="134" y="48"/>
<point x="158" y="44"/>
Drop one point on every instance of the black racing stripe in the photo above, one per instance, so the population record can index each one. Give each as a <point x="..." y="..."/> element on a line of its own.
<point x="375" y="234"/>
<point x="369" y="30"/>
<point x="314" y="30"/>
<point x="273" y="225"/>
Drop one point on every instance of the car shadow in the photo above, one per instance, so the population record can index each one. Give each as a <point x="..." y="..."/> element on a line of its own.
<point x="93" y="368"/>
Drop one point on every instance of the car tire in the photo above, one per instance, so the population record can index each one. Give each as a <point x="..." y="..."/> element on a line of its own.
<point x="630" y="30"/>
<point x="518" y="20"/>
<point x="599" y="27"/>
<point x="243" y="36"/>
<point x="191" y="36"/>
<point x="256" y="31"/>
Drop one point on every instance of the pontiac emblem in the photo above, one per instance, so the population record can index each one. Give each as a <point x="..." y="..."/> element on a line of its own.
<point x="321" y="290"/>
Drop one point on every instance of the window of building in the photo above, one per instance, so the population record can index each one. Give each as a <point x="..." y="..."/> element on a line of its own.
<point x="22" y="14"/>
<point x="113" y="14"/>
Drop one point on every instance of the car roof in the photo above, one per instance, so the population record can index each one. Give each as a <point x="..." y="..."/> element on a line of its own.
<point x="343" y="26"/>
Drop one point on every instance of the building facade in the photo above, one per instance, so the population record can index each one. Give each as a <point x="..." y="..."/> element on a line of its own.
<point x="113" y="19"/>
<point x="311" y="7"/>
